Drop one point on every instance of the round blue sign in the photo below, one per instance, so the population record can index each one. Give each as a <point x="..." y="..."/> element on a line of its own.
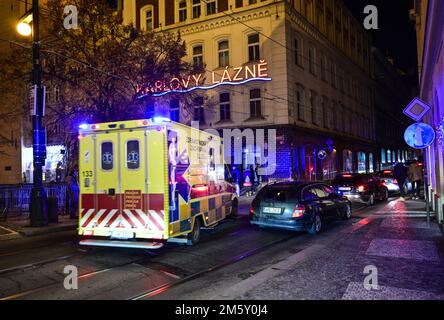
<point x="419" y="135"/>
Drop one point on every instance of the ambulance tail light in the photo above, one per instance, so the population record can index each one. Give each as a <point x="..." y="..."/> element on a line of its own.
<point x="298" y="211"/>
<point x="361" y="188"/>
<point x="88" y="233"/>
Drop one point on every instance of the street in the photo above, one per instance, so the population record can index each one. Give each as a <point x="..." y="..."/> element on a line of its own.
<point x="238" y="261"/>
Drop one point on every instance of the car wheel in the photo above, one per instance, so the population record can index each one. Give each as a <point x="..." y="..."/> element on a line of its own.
<point x="385" y="195"/>
<point x="194" y="235"/>
<point x="316" y="226"/>
<point x="348" y="213"/>
<point x="234" y="209"/>
<point x="371" y="201"/>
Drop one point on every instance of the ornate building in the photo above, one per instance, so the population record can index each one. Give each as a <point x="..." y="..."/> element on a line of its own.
<point x="318" y="58"/>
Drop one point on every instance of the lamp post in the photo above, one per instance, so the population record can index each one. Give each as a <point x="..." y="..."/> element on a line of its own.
<point x="37" y="207"/>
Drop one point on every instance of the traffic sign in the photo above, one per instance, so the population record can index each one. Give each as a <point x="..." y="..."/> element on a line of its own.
<point x="419" y="135"/>
<point x="417" y="109"/>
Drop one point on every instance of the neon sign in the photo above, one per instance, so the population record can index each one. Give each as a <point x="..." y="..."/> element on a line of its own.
<point x="229" y="76"/>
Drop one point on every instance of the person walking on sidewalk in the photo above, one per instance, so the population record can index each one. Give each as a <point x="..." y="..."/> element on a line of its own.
<point x="73" y="191"/>
<point x="415" y="176"/>
<point x="400" y="174"/>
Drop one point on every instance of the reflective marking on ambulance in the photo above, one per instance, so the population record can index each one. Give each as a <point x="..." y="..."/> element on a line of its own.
<point x="106" y="218"/>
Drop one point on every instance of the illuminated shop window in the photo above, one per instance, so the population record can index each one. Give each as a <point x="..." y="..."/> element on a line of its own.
<point x="347" y="156"/>
<point x="383" y="156"/>
<point x="362" y="166"/>
<point x="371" y="168"/>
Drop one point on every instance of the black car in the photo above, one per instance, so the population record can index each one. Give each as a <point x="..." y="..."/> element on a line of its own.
<point x="298" y="206"/>
<point x="366" y="188"/>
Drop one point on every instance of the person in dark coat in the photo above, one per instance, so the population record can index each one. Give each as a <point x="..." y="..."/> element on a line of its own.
<point x="400" y="173"/>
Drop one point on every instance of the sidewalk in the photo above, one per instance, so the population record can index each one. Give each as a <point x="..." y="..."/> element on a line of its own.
<point x="16" y="227"/>
<point x="403" y="250"/>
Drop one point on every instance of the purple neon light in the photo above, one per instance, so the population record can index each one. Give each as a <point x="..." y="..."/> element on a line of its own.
<point x="231" y="83"/>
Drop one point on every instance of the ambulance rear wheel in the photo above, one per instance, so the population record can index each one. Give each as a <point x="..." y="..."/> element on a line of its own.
<point x="194" y="235"/>
<point x="234" y="209"/>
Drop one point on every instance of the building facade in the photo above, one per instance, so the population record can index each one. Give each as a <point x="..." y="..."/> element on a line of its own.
<point x="428" y="16"/>
<point x="391" y="95"/>
<point x="318" y="57"/>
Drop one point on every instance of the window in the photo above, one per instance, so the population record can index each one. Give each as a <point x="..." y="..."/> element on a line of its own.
<point x="239" y="3"/>
<point x="325" y="112"/>
<point x="300" y="103"/>
<point x="132" y="155"/>
<point x="175" y="110"/>
<point x="149" y="25"/>
<point x="298" y="52"/>
<point x="198" y="56"/>
<point x="199" y="114"/>
<point x="253" y="47"/>
<point x="224" y="101"/>
<point x="197" y="10"/>
<point x="334" y="78"/>
<point x="312" y="60"/>
<point x="182" y="10"/>
<point x="211" y="7"/>
<point x="252" y="1"/>
<point x="107" y="161"/>
<point x="323" y="68"/>
<point x="224" y="54"/>
<point x="255" y="103"/>
<point x="313" y="106"/>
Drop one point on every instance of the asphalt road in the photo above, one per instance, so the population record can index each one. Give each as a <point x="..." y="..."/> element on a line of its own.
<point x="33" y="268"/>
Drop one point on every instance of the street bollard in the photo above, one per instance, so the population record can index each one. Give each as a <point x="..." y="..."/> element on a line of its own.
<point x="52" y="205"/>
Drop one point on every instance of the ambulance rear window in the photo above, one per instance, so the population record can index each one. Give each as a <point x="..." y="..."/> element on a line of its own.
<point x="132" y="155"/>
<point x="107" y="156"/>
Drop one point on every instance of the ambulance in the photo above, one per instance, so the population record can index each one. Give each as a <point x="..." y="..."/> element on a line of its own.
<point x="147" y="182"/>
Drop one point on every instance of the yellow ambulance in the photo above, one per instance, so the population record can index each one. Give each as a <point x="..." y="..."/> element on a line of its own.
<point x="145" y="182"/>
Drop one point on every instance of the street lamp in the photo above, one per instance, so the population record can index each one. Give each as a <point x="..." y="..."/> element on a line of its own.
<point x="37" y="206"/>
<point x="24" y="29"/>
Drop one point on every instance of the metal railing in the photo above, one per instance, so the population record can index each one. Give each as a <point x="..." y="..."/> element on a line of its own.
<point x="15" y="199"/>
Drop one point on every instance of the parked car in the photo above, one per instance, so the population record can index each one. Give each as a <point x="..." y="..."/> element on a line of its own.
<point x="366" y="188"/>
<point x="298" y="206"/>
<point x="392" y="184"/>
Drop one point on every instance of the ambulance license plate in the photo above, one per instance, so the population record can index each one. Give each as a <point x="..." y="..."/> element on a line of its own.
<point x="122" y="235"/>
<point x="272" y="210"/>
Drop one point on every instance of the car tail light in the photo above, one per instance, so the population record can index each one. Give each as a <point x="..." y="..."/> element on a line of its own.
<point x="395" y="181"/>
<point x="361" y="188"/>
<point x="298" y="211"/>
<point x="251" y="212"/>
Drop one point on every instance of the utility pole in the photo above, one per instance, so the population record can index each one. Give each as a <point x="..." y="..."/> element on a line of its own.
<point x="38" y="212"/>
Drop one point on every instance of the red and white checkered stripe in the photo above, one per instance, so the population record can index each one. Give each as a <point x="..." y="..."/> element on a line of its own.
<point x="134" y="219"/>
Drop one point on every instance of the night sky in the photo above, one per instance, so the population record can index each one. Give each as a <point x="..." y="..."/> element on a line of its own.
<point x="396" y="35"/>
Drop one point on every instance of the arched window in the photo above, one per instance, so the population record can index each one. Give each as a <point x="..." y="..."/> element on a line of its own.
<point x="147" y="18"/>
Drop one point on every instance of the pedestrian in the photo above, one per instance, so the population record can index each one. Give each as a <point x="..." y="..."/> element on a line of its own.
<point x="72" y="188"/>
<point x="400" y="174"/>
<point x="252" y="179"/>
<point x="416" y="177"/>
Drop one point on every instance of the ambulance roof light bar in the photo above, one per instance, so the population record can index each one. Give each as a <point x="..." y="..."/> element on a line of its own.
<point x="161" y="119"/>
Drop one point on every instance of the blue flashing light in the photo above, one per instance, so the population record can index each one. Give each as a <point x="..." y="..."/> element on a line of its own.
<point x="161" y="119"/>
<point x="84" y="126"/>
